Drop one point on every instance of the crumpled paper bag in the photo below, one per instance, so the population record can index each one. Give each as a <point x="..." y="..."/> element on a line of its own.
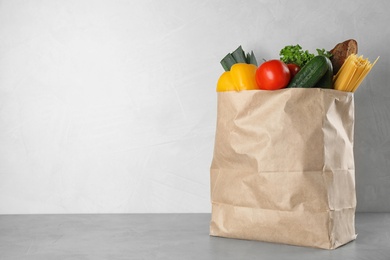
<point x="283" y="167"/>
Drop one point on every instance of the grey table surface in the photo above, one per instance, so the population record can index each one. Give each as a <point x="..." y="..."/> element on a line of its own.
<point x="165" y="236"/>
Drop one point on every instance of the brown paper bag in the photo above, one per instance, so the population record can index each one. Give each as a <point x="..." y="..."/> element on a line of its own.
<point x="283" y="167"/>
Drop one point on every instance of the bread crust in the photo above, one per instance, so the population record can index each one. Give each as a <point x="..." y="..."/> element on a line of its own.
<point x="340" y="53"/>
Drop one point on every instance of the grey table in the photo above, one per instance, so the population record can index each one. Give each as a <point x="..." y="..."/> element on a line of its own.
<point x="165" y="236"/>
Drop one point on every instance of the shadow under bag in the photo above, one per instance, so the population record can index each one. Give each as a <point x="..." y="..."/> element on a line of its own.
<point x="283" y="167"/>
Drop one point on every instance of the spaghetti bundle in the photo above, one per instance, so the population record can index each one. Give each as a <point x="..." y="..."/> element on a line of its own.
<point x="352" y="73"/>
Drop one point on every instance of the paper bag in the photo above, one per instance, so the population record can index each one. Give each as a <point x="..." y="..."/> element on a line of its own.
<point x="283" y="167"/>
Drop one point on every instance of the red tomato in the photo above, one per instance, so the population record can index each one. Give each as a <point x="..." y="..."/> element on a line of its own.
<point x="272" y="75"/>
<point x="294" y="68"/>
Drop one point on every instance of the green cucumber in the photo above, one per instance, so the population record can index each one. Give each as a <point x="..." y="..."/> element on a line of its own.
<point x="311" y="73"/>
<point x="327" y="80"/>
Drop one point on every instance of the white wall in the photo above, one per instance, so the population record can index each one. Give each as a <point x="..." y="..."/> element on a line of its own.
<point x="110" y="106"/>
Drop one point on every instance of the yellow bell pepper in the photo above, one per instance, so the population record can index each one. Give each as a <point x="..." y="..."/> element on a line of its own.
<point x="240" y="77"/>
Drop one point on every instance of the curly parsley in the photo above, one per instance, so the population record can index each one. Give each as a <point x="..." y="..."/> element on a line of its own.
<point x="295" y="54"/>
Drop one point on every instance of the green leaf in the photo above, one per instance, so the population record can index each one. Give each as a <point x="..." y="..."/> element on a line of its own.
<point x="324" y="53"/>
<point x="251" y="59"/>
<point x="295" y="54"/>
<point x="239" y="55"/>
<point x="228" y="61"/>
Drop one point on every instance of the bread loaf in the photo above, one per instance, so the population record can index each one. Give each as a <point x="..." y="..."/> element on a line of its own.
<point x="340" y="53"/>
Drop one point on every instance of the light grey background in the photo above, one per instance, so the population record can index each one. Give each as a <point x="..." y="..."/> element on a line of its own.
<point x="110" y="106"/>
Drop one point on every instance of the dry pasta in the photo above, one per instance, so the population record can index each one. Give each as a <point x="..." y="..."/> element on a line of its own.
<point x="352" y="73"/>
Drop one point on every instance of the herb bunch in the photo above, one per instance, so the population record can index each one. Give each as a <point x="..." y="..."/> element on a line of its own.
<point x="295" y="54"/>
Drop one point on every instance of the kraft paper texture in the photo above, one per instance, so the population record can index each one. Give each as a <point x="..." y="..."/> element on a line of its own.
<point x="283" y="167"/>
